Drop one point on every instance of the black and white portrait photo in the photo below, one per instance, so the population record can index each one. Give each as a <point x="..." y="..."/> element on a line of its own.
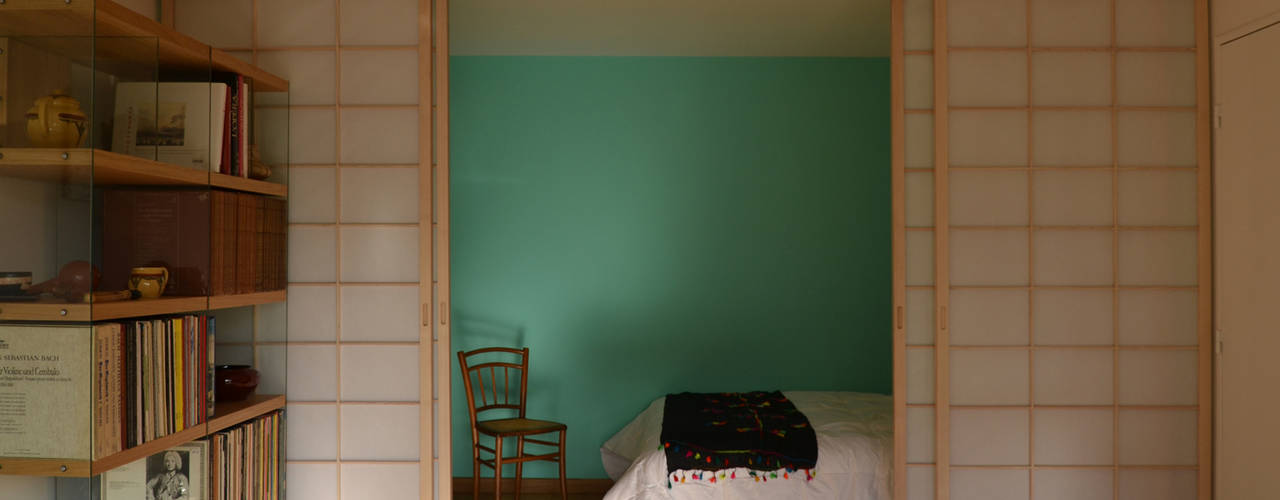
<point x="168" y="476"/>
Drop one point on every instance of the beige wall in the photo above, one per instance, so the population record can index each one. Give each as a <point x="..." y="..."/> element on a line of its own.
<point x="762" y="28"/>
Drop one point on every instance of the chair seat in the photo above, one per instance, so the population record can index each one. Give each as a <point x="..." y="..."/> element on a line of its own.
<point x="518" y="426"/>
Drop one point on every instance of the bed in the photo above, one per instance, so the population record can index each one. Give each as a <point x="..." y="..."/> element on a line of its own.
<point x="854" y="433"/>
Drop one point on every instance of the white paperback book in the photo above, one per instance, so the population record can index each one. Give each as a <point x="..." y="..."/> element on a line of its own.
<point x="178" y="473"/>
<point x="171" y="122"/>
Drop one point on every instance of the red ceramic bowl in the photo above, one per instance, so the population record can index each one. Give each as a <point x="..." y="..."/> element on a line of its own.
<point x="234" y="382"/>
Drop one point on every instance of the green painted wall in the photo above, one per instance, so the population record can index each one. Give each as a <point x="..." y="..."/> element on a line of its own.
<point x="653" y="225"/>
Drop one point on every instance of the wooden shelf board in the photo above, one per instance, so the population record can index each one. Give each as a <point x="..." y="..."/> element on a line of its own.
<point x="52" y="310"/>
<point x="148" y="307"/>
<point x="231" y="413"/>
<point x="105" y="168"/>
<point x="247" y="299"/>
<point x="225" y="415"/>
<point x="249" y="185"/>
<point x="45" y="310"/>
<point x="132" y="39"/>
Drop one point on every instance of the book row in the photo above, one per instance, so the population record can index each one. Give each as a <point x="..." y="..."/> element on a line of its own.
<point x="152" y="378"/>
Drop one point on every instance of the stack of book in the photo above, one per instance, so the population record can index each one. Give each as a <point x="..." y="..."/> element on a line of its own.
<point x="152" y="378"/>
<point x="249" y="243"/>
<point x="201" y="125"/>
<point x="245" y="461"/>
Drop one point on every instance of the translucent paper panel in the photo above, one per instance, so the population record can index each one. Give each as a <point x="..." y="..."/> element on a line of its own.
<point x="920" y="438"/>
<point x="1158" y="258"/>
<point x="989" y="317"/>
<point x="919" y="202"/>
<point x="919" y="317"/>
<point x="920" y="378"/>
<point x="919" y="82"/>
<point x="1071" y="23"/>
<point x="919" y="141"/>
<point x="918" y="24"/>
<point x="1071" y="138"/>
<point x="1156" y="78"/>
<point x="990" y="484"/>
<point x="1073" y="257"/>
<point x="1070" y="78"/>
<point x="1158" y="317"/>
<point x="1158" y="377"/>
<point x="919" y="258"/>
<point x="1073" y="317"/>
<point x="920" y="483"/>
<point x="990" y="437"/>
<point x="1066" y="484"/>
<point x="988" y="79"/>
<point x="1158" y="198"/>
<point x="1073" y="437"/>
<point x="1155" y="23"/>
<point x="989" y="377"/>
<point x="988" y="198"/>
<point x="988" y="257"/>
<point x="1158" y="484"/>
<point x="1073" y="377"/>
<point x="1157" y="138"/>
<point x="1072" y="197"/>
<point x="1157" y="437"/>
<point x="987" y="23"/>
<point x="988" y="138"/>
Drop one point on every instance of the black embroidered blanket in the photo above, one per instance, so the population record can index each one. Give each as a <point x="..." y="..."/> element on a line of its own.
<point x="756" y="430"/>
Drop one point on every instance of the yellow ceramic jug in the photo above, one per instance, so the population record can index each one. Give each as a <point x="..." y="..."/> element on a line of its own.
<point x="56" y="121"/>
<point x="149" y="281"/>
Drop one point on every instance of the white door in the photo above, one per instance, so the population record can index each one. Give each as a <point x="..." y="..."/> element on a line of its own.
<point x="1247" y="256"/>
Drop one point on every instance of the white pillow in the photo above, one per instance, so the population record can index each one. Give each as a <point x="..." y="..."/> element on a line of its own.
<point x="642" y="435"/>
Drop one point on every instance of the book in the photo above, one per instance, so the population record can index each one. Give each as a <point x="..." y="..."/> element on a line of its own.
<point x="247" y="243"/>
<point x="171" y="122"/>
<point x="210" y="364"/>
<point x="46" y="374"/>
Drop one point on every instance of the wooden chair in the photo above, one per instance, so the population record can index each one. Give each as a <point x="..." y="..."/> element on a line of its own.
<point x="497" y="393"/>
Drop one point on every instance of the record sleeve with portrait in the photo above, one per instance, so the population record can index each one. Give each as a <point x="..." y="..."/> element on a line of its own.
<point x="174" y="474"/>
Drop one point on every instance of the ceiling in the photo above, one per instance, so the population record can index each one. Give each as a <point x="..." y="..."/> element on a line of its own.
<point x="759" y="28"/>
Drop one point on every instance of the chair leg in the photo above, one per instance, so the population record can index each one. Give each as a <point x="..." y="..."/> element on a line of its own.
<point x="519" y="465"/>
<point x="497" y="468"/>
<point x="564" y="490"/>
<point x="475" y="474"/>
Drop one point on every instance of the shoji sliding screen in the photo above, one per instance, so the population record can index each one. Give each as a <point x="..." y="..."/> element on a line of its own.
<point x="1053" y="238"/>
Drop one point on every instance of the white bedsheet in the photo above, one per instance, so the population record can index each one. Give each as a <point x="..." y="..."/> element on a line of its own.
<point x="855" y="455"/>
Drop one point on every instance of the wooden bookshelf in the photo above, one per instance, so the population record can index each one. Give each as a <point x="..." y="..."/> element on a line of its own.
<point x="65" y="27"/>
<point x="225" y="415"/>
<point x="52" y="310"/>
<point x="104" y="168"/>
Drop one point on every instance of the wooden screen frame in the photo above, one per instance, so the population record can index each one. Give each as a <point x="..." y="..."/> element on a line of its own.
<point x="941" y="228"/>
<point x="434" y="351"/>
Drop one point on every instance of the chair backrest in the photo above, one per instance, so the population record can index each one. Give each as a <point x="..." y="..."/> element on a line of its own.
<point x="492" y="381"/>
